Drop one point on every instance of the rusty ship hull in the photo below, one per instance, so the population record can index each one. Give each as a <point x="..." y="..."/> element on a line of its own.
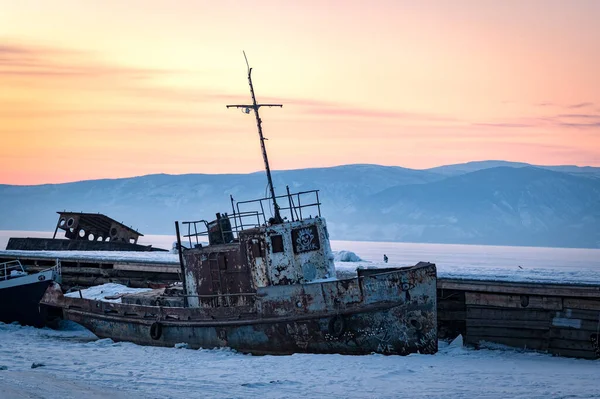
<point x="389" y="311"/>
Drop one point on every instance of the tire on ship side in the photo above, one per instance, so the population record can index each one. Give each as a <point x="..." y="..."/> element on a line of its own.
<point x="156" y="330"/>
<point x="337" y="326"/>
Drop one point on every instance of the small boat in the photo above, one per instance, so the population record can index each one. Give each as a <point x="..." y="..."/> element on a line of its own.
<point x="266" y="284"/>
<point x="20" y="293"/>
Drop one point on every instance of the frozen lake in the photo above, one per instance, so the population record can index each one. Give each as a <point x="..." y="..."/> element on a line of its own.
<point x="77" y="365"/>
<point x="557" y="265"/>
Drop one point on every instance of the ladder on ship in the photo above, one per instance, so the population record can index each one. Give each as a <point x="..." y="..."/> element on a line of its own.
<point x="215" y="277"/>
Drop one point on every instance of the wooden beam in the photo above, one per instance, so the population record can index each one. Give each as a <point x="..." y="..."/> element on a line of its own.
<point x="146" y="267"/>
<point x="547" y="289"/>
<point x="513" y="301"/>
<point x="526" y="343"/>
<point x="474" y="312"/>
<point x="583" y="304"/>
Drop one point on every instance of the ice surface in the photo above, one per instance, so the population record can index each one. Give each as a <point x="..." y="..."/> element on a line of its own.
<point x="480" y="262"/>
<point x="78" y="365"/>
<point x="346" y="256"/>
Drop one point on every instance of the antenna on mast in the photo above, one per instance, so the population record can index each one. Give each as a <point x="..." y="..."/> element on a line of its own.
<point x="277" y="217"/>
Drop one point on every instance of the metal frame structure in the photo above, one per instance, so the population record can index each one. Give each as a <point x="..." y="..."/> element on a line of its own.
<point x="200" y="228"/>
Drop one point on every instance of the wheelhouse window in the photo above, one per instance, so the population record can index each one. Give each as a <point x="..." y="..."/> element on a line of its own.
<point x="256" y="249"/>
<point x="222" y="260"/>
<point x="277" y="243"/>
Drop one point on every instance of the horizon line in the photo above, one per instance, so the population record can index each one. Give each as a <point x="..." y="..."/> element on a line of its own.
<point x="296" y="169"/>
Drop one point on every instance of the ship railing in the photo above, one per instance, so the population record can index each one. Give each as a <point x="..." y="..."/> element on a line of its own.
<point x="198" y="229"/>
<point x="7" y="269"/>
<point x="253" y="213"/>
<point x="224" y="300"/>
<point x="292" y="206"/>
<point x="57" y="268"/>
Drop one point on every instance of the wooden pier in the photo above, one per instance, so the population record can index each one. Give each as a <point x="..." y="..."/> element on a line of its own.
<point x="561" y="319"/>
<point x="86" y="271"/>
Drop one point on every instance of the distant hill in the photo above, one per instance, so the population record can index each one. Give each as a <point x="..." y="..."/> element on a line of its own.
<point x="458" y="169"/>
<point x="503" y="206"/>
<point x="481" y="203"/>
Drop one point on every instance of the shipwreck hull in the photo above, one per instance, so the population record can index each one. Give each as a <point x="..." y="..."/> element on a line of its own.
<point x="393" y="312"/>
<point x="384" y="331"/>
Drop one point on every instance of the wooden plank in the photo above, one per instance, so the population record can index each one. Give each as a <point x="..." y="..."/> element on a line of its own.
<point x="513" y="301"/>
<point x="475" y="312"/>
<point x="593" y="315"/>
<point x="524" y="343"/>
<point x="574" y="353"/>
<point x="87" y="270"/>
<point x="556" y="343"/>
<point x="584" y="304"/>
<point x="146" y="267"/>
<point x="546" y="289"/>
<point x="578" y="324"/>
<point x="450" y="305"/>
<point x="516" y="324"/>
<point x="571" y="334"/>
<point x="451" y="295"/>
<point x="451" y="315"/>
<point x="507" y="332"/>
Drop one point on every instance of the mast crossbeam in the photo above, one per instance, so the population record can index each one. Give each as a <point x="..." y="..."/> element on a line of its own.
<point x="255" y="106"/>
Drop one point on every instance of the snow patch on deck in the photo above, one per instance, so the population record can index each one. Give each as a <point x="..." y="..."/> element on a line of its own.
<point x="109" y="292"/>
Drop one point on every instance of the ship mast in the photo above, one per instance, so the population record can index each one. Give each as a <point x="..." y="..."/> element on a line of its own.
<point x="246" y="108"/>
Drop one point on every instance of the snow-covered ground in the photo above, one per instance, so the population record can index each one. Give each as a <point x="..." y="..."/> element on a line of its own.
<point x="77" y="365"/>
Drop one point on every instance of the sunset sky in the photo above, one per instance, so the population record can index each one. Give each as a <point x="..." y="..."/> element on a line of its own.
<point x="114" y="88"/>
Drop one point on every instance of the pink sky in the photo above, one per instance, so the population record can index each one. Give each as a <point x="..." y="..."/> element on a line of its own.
<point x="111" y="89"/>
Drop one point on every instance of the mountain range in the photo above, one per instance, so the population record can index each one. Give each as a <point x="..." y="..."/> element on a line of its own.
<point x="486" y="202"/>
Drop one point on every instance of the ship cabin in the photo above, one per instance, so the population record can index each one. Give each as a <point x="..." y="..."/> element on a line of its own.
<point x="246" y="251"/>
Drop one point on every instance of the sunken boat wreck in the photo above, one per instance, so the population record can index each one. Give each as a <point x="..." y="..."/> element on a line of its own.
<point x="267" y="285"/>
<point x="84" y="232"/>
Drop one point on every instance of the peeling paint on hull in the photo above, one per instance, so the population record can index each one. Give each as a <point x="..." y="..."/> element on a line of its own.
<point x="393" y="312"/>
<point x="363" y="333"/>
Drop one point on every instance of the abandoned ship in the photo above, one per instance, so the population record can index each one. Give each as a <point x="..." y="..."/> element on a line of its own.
<point x="84" y="232"/>
<point x="265" y="284"/>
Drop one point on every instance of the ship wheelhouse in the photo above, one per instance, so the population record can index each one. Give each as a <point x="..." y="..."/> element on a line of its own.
<point x="247" y="251"/>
